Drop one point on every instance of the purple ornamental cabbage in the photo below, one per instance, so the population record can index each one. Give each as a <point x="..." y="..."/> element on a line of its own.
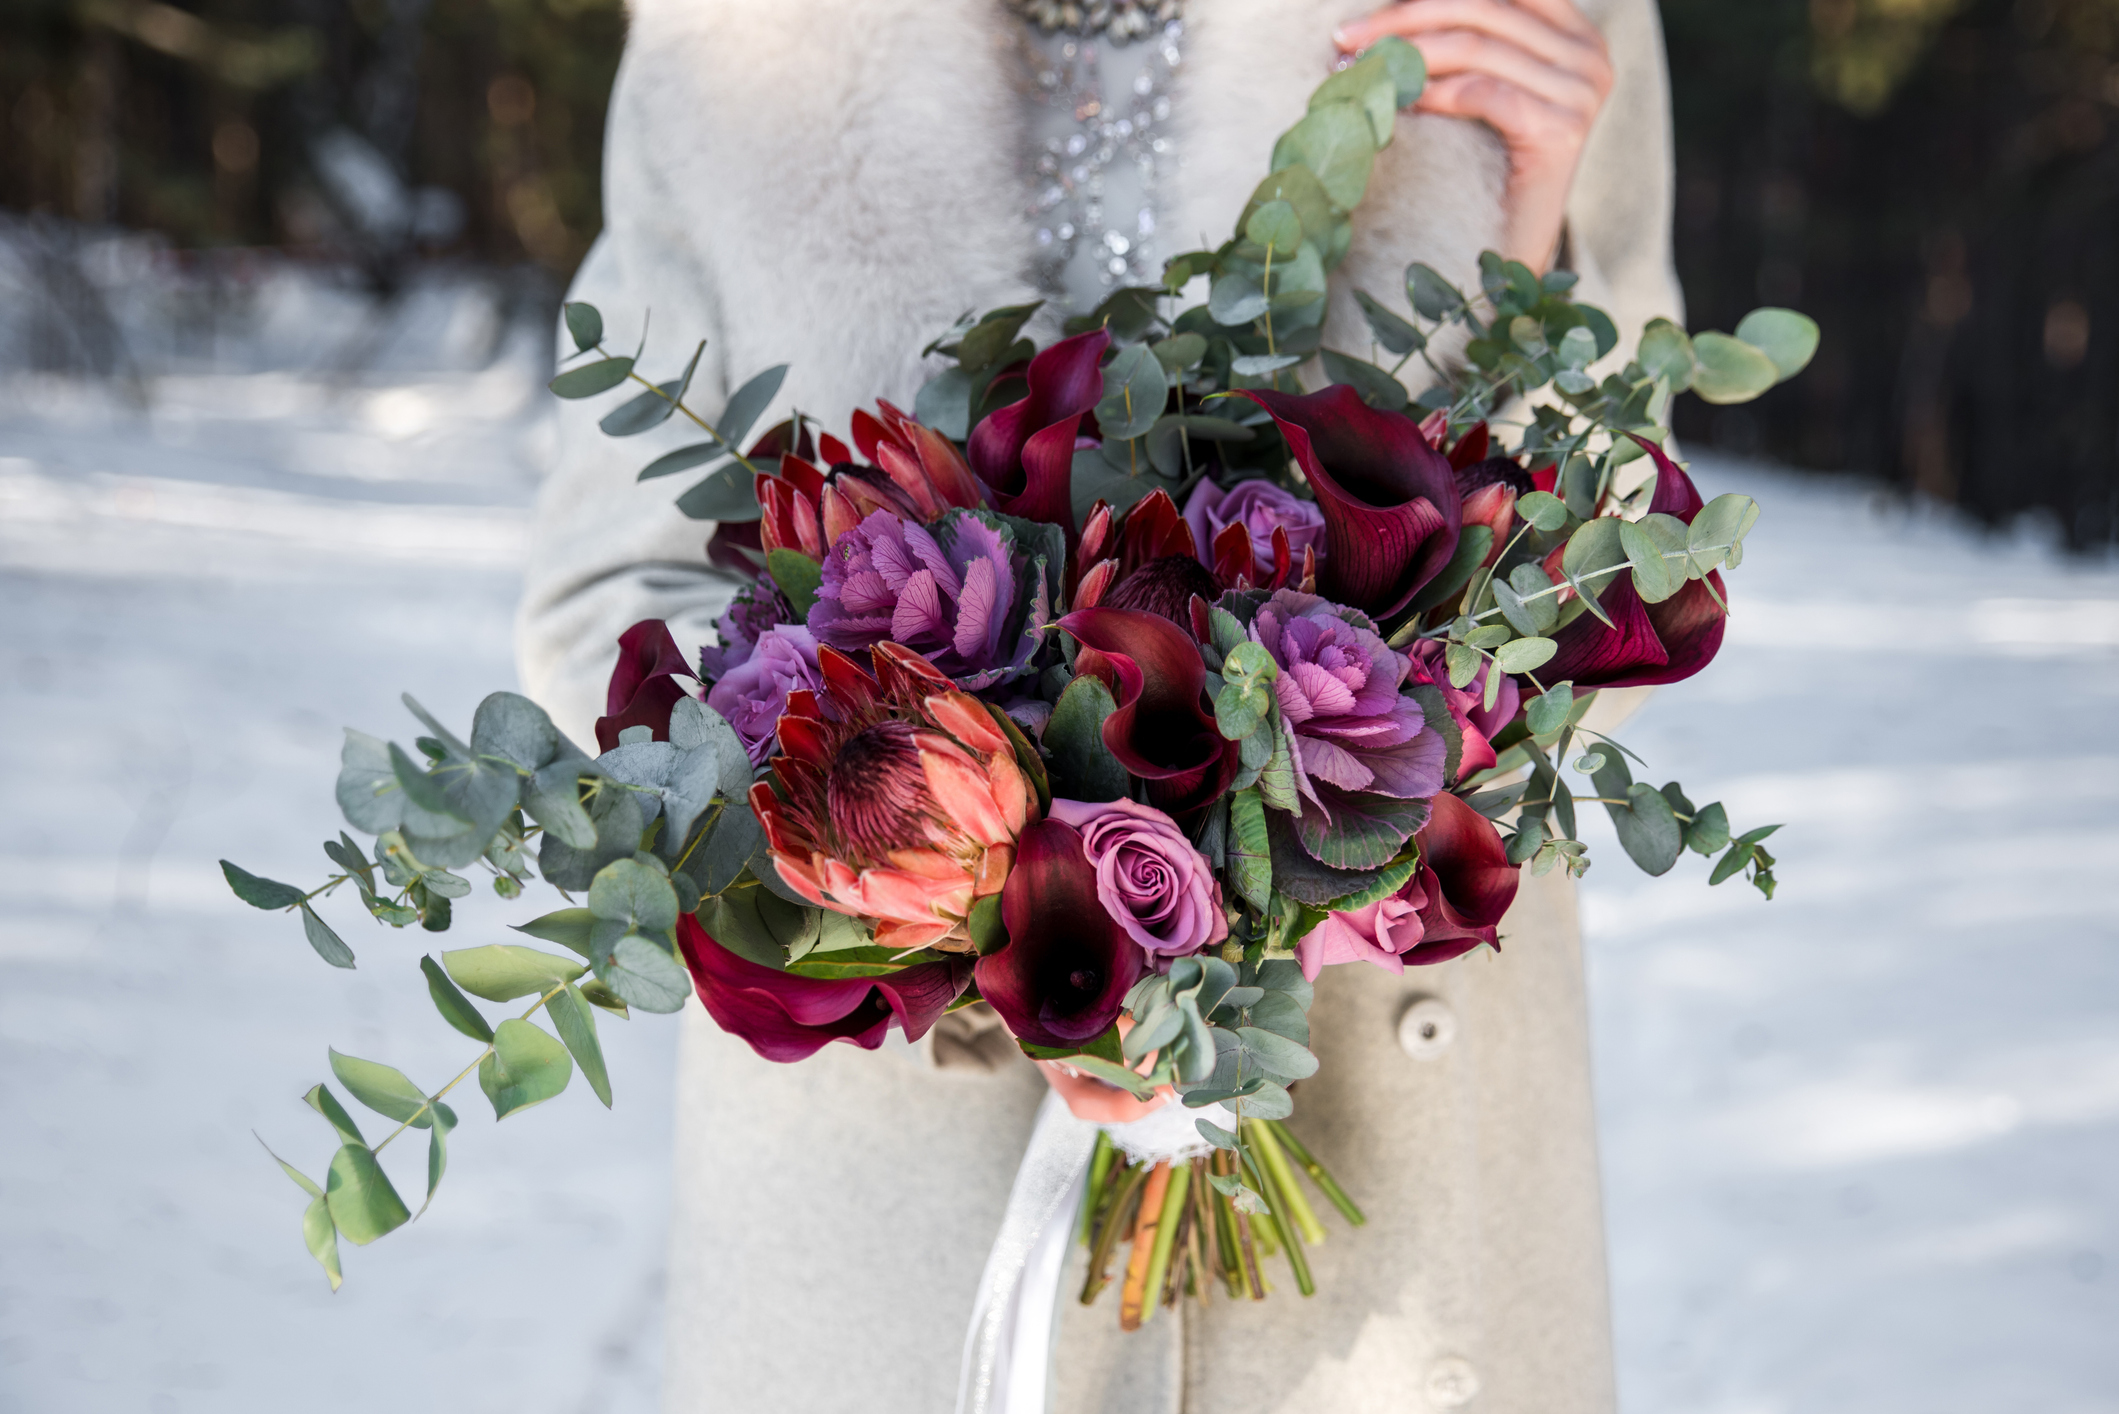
<point x="1364" y="761"/>
<point x="754" y="694"/>
<point x="964" y="594"/>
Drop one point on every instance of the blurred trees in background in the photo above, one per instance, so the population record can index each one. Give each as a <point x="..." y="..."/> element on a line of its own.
<point x="379" y="131"/>
<point x="1937" y="181"/>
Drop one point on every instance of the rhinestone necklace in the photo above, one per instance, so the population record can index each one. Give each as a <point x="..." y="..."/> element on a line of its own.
<point x="1120" y="20"/>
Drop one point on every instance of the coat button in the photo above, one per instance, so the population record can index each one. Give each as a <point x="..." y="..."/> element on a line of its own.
<point x="1427" y="1028"/>
<point x="1451" y="1382"/>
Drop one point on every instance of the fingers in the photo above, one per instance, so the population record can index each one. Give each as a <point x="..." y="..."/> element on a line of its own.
<point x="1512" y="23"/>
<point x="1464" y="52"/>
<point x="1535" y="130"/>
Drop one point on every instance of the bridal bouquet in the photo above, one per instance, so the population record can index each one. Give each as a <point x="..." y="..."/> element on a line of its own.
<point x="1120" y="686"/>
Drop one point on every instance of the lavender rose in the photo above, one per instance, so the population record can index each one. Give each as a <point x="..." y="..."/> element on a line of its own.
<point x="755" y="610"/>
<point x="1148" y="876"/>
<point x="1262" y="507"/>
<point x="753" y="695"/>
<point x="954" y="595"/>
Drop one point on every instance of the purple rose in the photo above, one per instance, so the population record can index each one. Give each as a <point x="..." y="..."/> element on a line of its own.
<point x="1261" y="507"/>
<point x="1362" y="750"/>
<point x="1381" y="932"/>
<point x="755" y="610"/>
<point x="1148" y="877"/>
<point x="753" y="696"/>
<point x="950" y="594"/>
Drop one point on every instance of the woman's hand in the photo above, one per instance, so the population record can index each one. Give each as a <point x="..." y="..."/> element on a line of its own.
<point x="1092" y="1100"/>
<point x="1536" y="71"/>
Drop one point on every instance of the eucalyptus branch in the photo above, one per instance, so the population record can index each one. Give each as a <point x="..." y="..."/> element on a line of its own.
<point x="678" y="403"/>
<point x="461" y="1075"/>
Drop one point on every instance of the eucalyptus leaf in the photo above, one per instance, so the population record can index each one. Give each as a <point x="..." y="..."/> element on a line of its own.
<point x="592" y="378"/>
<point x="260" y="893"/>
<point x="568" y="927"/>
<point x="584" y="324"/>
<point x="728" y="496"/>
<point x="1135" y="392"/>
<point x="1787" y="338"/>
<point x="454" y="1006"/>
<point x="643" y="974"/>
<point x="527" y="1066"/>
<point x="653" y="407"/>
<point x="1082" y="766"/>
<point x="368" y="793"/>
<point x="501" y="972"/>
<point x="747" y="403"/>
<point x="576" y="1025"/>
<point x="362" y="1203"/>
<point x="1335" y="141"/>
<point x="1730" y="370"/>
<point x="384" y="1089"/>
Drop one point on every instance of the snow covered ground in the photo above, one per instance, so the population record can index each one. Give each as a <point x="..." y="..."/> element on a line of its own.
<point x="1858" y="1141"/>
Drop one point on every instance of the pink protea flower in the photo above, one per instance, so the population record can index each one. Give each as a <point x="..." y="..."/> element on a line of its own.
<point x="898" y="798"/>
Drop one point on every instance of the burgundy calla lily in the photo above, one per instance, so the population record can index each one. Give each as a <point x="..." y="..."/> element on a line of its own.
<point x="644" y="683"/>
<point x="1467" y="881"/>
<point x="1024" y="452"/>
<point x="1064" y="972"/>
<point x="1161" y="731"/>
<point x="1646" y="644"/>
<point x="784" y="1017"/>
<point x="1391" y="508"/>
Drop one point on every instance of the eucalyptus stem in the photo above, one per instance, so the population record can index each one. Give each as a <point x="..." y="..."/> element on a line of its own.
<point x="434" y="1098"/>
<point x="678" y="403"/>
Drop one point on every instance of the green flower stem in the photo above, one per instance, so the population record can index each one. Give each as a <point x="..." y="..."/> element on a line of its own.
<point x="1100" y="1159"/>
<point x="1326" y="1184"/>
<point x="1301" y="1215"/>
<point x="704" y="426"/>
<point x="1276" y="1205"/>
<point x="462" y="1074"/>
<point x="1107" y="1235"/>
<point x="1174" y="1191"/>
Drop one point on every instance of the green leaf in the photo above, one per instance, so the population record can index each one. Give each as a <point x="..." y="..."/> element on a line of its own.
<point x="1666" y="353"/>
<point x="384" y="1089"/>
<point x="454" y="1006"/>
<point x="320" y="1236"/>
<point x="260" y="893"/>
<point x="326" y="1104"/>
<point x="1542" y="509"/>
<point x="736" y="842"/>
<point x="1300" y="189"/>
<point x="568" y="927"/>
<point x="329" y="946"/>
<point x="367" y="784"/>
<point x="631" y="893"/>
<point x="1387" y="328"/>
<point x="308" y="1185"/>
<point x="1235" y="300"/>
<point x="1335" y="141"/>
<point x="1221" y="1139"/>
<point x="1276" y="1054"/>
<point x="501" y="972"/>
<point x="1731" y="863"/>
<point x="576" y="1025"/>
<point x="363" y="1205"/>
<point x="797" y="575"/>
<point x="1722" y="522"/>
<point x="1116" y="1076"/>
<point x="527" y="1067"/>
<point x="747" y="403"/>
<point x="1179" y="352"/>
<point x="591" y="378"/>
<point x="1709" y="830"/>
<point x="1261" y="365"/>
<point x="1408" y="67"/>
<point x="584" y="323"/>
<point x="729" y="496"/>
<point x="552" y="798"/>
<point x="643" y="974"/>
<point x="1782" y="335"/>
<point x="1370" y="85"/>
<point x="1275" y="226"/>
<point x="1654" y="578"/>
<point x="694" y="724"/>
<point x="1082" y="767"/>
<point x="1548" y="712"/>
<point x="1250" y="849"/>
<point x="1433" y="297"/>
<point x="1135" y="392"/>
<point x="1730" y="370"/>
<point x="437" y="1150"/>
<point x="652" y="408"/>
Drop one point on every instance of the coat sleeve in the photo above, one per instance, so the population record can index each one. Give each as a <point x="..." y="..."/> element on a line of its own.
<point x="1619" y="211"/>
<point x="607" y="550"/>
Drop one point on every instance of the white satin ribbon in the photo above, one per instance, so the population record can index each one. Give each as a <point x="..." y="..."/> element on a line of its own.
<point x="1008" y="1350"/>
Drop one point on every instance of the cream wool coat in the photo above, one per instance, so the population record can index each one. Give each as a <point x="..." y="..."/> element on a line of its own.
<point x="829" y="184"/>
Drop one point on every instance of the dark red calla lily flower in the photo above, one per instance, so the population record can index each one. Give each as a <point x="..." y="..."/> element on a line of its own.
<point x="1062" y="977"/>
<point x="644" y="686"/>
<point x="1162" y="732"/>
<point x="1391" y="508"/>
<point x="1468" y="881"/>
<point x="1024" y="452"/>
<point x="788" y="1018"/>
<point x="1646" y="643"/>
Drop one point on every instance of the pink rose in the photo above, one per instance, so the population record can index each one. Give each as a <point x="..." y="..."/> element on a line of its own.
<point x="1381" y="932"/>
<point x="1148" y="876"/>
<point x="1261" y="507"/>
